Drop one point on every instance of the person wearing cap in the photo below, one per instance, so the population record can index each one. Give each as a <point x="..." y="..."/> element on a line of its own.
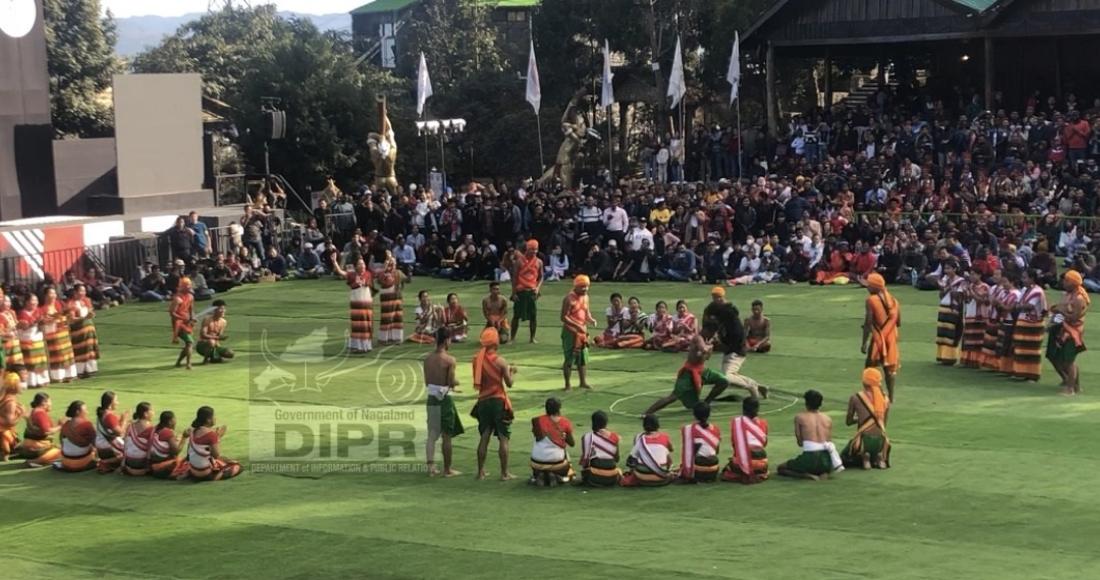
<point x="212" y="334"/>
<point x="868" y="409"/>
<point x="1067" y="332"/>
<point x="493" y="410"/>
<point x="527" y="278"/>
<point x="575" y="318"/>
<point x="880" y="326"/>
<point x="182" y="313"/>
<point x="309" y="264"/>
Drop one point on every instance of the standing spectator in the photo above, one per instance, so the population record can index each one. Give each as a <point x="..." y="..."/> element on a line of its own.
<point x="181" y="239"/>
<point x="202" y="237"/>
<point x="615" y="221"/>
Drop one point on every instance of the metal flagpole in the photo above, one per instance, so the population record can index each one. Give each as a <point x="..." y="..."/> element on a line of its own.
<point x="740" y="141"/>
<point x="427" y="165"/>
<point x="610" y="150"/>
<point x="538" y="116"/>
<point x="542" y="159"/>
<point x="442" y="159"/>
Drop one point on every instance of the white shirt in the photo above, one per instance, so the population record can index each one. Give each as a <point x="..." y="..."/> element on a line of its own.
<point x="615" y="219"/>
<point x="635" y="237"/>
<point x="751" y="266"/>
<point x="616" y="328"/>
<point x="588" y="214"/>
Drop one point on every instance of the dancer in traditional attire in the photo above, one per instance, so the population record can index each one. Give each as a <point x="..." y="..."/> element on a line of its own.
<point x="615" y="314"/>
<point x="139" y="441"/>
<point x="83" y="333"/>
<point x="1010" y="298"/>
<point x="495" y="309"/>
<point x="9" y="341"/>
<point x="78" y="437"/>
<point x="575" y="318"/>
<point x="33" y="344"/>
<point x="59" y="345"/>
<point x="880" y="325"/>
<point x="553" y="434"/>
<point x="758" y="330"/>
<point x="493" y="410"/>
<point x="868" y="409"/>
<point x="600" y="454"/>
<point x="949" y="321"/>
<point x="204" y="458"/>
<point x="361" y="305"/>
<point x="1027" y="334"/>
<point x="699" y="444"/>
<point x="975" y="320"/>
<point x="182" y="312"/>
<point x="443" y="419"/>
<point x="813" y="431"/>
<point x="391" y="281"/>
<point x="660" y="326"/>
<point x="650" y="459"/>
<point x="454" y="317"/>
<point x="1067" y="332"/>
<point x="684" y="329"/>
<point x="110" y="427"/>
<point x="429" y="318"/>
<point x="991" y="360"/>
<point x="165" y="447"/>
<point x="11" y="413"/>
<point x="37" y="447"/>
<point x="749" y="436"/>
<point x="526" y="286"/>
<point x="212" y="335"/>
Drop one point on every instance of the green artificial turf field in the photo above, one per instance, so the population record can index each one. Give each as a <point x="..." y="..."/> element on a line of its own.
<point x="991" y="479"/>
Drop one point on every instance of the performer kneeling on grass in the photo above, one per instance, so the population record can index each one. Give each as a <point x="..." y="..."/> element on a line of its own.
<point x="204" y="457"/>
<point x="650" y="459"/>
<point x="109" y="429"/>
<point x="759" y="330"/>
<point x="212" y="334"/>
<point x="600" y="454"/>
<point x="443" y="420"/>
<point x="164" y="449"/>
<point x="37" y="447"/>
<point x="1067" y="332"/>
<point x="700" y="441"/>
<point x="813" y="431"/>
<point x="869" y="409"/>
<point x="181" y="309"/>
<point x="693" y="375"/>
<point x="553" y="435"/>
<point x="139" y="439"/>
<point x="575" y="318"/>
<point x="78" y="437"/>
<point x="495" y="309"/>
<point x="493" y="410"/>
<point x="749" y="435"/>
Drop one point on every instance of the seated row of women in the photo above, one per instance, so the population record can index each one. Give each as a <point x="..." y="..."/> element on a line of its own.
<point x="627" y="326"/>
<point x="138" y="446"/>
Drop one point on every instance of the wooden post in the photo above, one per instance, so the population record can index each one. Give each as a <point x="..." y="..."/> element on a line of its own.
<point x="989" y="72"/>
<point x="828" y="80"/>
<point x="773" y="105"/>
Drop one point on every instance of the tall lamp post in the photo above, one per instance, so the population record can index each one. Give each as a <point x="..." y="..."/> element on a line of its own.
<point x="440" y="129"/>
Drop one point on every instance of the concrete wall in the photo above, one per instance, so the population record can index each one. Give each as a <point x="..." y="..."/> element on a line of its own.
<point x="84" y="167"/>
<point x="158" y="133"/>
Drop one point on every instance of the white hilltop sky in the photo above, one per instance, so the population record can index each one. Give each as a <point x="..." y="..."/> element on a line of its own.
<point x="127" y="8"/>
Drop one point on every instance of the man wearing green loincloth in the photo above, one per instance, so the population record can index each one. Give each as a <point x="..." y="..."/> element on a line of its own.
<point x="443" y="420"/>
<point x="212" y="334"/>
<point x="813" y="430"/>
<point x="527" y="275"/>
<point x="693" y="375"/>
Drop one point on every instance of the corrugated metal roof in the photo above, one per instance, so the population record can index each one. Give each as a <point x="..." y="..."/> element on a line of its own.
<point x="378" y="6"/>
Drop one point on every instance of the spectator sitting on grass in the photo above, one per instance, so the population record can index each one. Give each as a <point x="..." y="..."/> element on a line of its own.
<point x="153" y="287"/>
<point x="405" y="253"/>
<point x="275" y="264"/>
<point x="221" y="276"/>
<point x="199" y="287"/>
<point x="309" y="265"/>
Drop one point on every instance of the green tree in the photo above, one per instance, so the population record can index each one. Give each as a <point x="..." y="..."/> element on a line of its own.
<point x="81" y="62"/>
<point x="469" y="45"/>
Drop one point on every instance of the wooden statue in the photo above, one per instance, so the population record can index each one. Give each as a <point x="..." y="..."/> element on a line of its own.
<point x="383" y="151"/>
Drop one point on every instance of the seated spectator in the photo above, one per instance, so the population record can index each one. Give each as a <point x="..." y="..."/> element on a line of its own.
<point x="559" y="265"/>
<point x="308" y="263"/>
<point x="275" y="265"/>
<point x="153" y="287"/>
<point x="405" y="252"/>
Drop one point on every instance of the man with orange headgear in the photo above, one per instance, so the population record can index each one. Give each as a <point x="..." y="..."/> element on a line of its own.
<point x="575" y="318"/>
<point x="868" y="409"/>
<point x="11" y="412"/>
<point x="526" y="286"/>
<point x="881" y="323"/>
<point x="181" y="309"/>
<point x="1067" y="333"/>
<point x="493" y="410"/>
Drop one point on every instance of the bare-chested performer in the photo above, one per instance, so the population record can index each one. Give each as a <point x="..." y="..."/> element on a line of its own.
<point x="691" y="377"/>
<point x="443" y="420"/>
<point x="758" y="330"/>
<point x="495" y="308"/>
<point x="813" y="431"/>
<point x="212" y="335"/>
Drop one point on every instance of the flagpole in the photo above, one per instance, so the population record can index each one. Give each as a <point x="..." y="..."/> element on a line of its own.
<point x="538" y="116"/>
<point x="610" y="150"/>
<point x="542" y="159"/>
<point x="740" y="142"/>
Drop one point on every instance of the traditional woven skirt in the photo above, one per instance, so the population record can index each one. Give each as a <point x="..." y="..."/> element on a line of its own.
<point x="1004" y="346"/>
<point x="34" y="359"/>
<point x="13" y="355"/>
<point x="990" y="359"/>
<point x="973" y="339"/>
<point x="85" y="347"/>
<point x="1027" y="349"/>
<point x="392" y="327"/>
<point x="948" y="333"/>
<point x="362" y="320"/>
<point x="59" y="345"/>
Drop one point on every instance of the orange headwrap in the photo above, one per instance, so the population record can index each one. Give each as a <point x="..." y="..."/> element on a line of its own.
<point x="872" y="384"/>
<point x="718" y="291"/>
<point x="581" y="281"/>
<point x="532" y="245"/>
<point x="490" y="340"/>
<point x="184" y="284"/>
<point x="1073" y="282"/>
<point x="875" y="281"/>
<point x="11" y="383"/>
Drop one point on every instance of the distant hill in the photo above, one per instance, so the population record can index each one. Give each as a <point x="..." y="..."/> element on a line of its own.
<point x="137" y="33"/>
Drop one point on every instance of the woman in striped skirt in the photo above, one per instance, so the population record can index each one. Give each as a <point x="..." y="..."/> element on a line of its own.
<point x="390" y="282"/>
<point x="59" y="344"/>
<point x="990" y="361"/>
<point x="975" y="313"/>
<point x="1010" y="297"/>
<point x="1027" y="337"/>
<point x="84" y="337"/>
<point x="9" y="337"/>
<point x="361" y="305"/>
<point x="949" y="322"/>
<point x="33" y="344"/>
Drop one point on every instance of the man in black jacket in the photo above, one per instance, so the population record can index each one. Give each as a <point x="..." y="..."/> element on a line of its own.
<point x="722" y="325"/>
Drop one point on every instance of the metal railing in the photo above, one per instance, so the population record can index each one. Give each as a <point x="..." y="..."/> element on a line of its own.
<point x="120" y="258"/>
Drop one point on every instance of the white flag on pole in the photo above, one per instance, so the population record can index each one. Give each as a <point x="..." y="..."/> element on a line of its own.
<point x="423" y="85"/>
<point x="534" y="87"/>
<point x="607" y="95"/>
<point x="733" y="77"/>
<point x="677" y="88"/>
